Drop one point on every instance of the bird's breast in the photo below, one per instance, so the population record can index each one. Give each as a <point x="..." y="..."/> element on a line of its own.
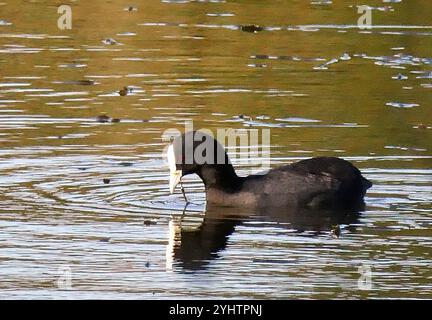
<point x="242" y="198"/>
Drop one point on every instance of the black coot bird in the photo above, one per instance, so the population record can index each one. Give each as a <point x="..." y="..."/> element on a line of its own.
<point x="322" y="182"/>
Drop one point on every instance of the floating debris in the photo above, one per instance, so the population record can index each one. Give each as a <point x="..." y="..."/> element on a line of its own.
<point x="125" y="91"/>
<point x="102" y="118"/>
<point x="106" y="180"/>
<point x="130" y="8"/>
<point x="84" y="82"/>
<point x="252" y="28"/>
<point x="109" y="41"/>
<point x="260" y="56"/>
<point x="149" y="222"/>
<point x="126" y="164"/>
<point x="400" y="76"/>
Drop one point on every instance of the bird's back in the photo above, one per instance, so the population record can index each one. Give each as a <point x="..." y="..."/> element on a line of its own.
<point x="316" y="182"/>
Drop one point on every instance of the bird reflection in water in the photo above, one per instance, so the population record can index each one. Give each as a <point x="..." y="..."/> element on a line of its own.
<point x="192" y="248"/>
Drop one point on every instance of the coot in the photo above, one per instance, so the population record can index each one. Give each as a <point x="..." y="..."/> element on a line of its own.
<point x="322" y="182"/>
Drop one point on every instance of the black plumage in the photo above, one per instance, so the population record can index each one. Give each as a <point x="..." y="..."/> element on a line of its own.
<point x="322" y="182"/>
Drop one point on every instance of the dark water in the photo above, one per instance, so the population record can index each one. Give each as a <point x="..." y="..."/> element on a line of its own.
<point x="323" y="88"/>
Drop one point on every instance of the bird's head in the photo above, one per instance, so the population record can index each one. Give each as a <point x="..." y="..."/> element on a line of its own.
<point x="190" y="153"/>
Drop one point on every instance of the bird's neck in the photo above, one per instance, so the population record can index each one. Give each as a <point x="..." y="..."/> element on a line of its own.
<point x="221" y="177"/>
